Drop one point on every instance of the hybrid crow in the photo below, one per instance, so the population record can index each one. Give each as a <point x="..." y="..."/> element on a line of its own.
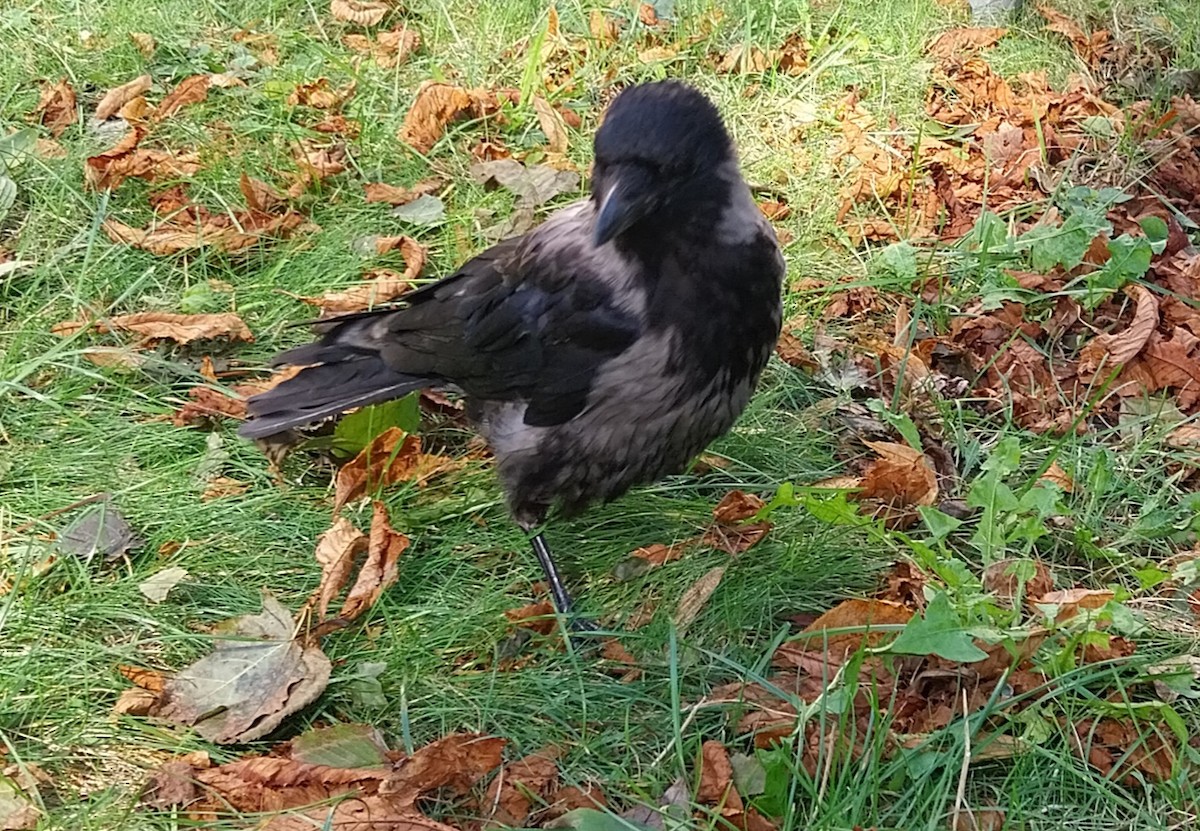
<point x="603" y="349"/>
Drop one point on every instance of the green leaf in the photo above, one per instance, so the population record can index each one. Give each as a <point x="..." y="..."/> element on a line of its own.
<point x="15" y="147"/>
<point x="1156" y="231"/>
<point x="1005" y="456"/>
<point x="8" y="195"/>
<point x="900" y="260"/>
<point x="940" y="525"/>
<point x="357" y="430"/>
<point x="424" y="210"/>
<point x="1129" y="259"/>
<point x="900" y="422"/>
<point x="341" y="746"/>
<point x="1064" y="245"/>
<point x="938" y="632"/>
<point x="589" y="819"/>
<point x="990" y="232"/>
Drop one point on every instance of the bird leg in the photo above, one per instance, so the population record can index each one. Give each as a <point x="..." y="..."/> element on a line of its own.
<point x="562" y="599"/>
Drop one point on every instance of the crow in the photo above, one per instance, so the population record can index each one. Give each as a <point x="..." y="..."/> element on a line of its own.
<point x="601" y="350"/>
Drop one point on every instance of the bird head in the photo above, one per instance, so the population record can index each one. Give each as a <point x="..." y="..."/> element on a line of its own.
<point x="657" y="142"/>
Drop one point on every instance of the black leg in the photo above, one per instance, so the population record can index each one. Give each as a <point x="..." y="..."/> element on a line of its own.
<point x="562" y="600"/>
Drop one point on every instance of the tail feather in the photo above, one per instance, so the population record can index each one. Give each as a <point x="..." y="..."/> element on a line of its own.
<point x="316" y="392"/>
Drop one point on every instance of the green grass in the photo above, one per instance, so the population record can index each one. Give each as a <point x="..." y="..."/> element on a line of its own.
<point x="69" y="429"/>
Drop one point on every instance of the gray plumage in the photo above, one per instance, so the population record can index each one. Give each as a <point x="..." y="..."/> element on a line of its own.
<point x="605" y="348"/>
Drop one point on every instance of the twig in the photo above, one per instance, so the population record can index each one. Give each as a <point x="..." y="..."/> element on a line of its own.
<point x="960" y="798"/>
<point x="695" y="708"/>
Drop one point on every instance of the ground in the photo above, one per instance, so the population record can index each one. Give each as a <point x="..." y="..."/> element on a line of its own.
<point x="70" y="427"/>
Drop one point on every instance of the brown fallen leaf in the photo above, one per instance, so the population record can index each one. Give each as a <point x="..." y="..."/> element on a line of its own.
<point x="436" y="106"/>
<point x="518" y="787"/>
<point x="146" y="44"/>
<point x="56" y="109"/>
<point x="127" y="159"/>
<point x="362" y="12"/>
<point x="206" y="404"/>
<point x="399" y="195"/>
<point x="259" y="195"/>
<point x="647" y="16"/>
<point x="250" y="683"/>
<point x="658" y="554"/>
<point x="390" y="458"/>
<point x="378" y="286"/>
<point x="389" y="49"/>
<point x="146" y="679"/>
<point x="220" y="233"/>
<point x="173" y="784"/>
<point x="118" y="97"/>
<point x="180" y="328"/>
<point x="953" y="42"/>
<point x="339" y="125"/>
<point x="692" y="601"/>
<point x="604" y="30"/>
<point x="220" y="487"/>
<point x="320" y="95"/>
<point x="190" y="90"/>
<point x="855" y="614"/>
<point x="134" y="701"/>
<point x="336" y="551"/>
<point x="137" y="112"/>
<point x="1071" y="601"/>
<point x="316" y="162"/>
<point x="613" y="650"/>
<point x="901" y="476"/>
<point x="743" y="61"/>
<point x="379" y="570"/>
<point x="551" y="122"/>
<point x="1106" y="353"/>
<point x="1055" y="475"/>
<point x="999" y="579"/>
<point x="716" y="776"/>
<point x="537" y="617"/>
<point x="736" y="506"/>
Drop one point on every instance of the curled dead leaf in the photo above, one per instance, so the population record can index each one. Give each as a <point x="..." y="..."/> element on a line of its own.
<point x="521" y="785"/>
<point x="391" y="457"/>
<point x="716" y="777"/>
<point x="205" y="404"/>
<point x="167" y="326"/>
<point x="336" y="550"/>
<point x="146" y="44"/>
<point x="118" y="97"/>
<point x="551" y="122"/>
<point x="221" y="233"/>
<point x="399" y="195"/>
<point x="900" y="477"/>
<point x="696" y="596"/>
<point x="56" y="109"/>
<point x="1105" y="353"/>
<point x="320" y="95"/>
<point x="361" y="12"/>
<point x="437" y="105"/>
<point x="127" y="159"/>
<point x="1055" y="475"/>
<point x="378" y="286"/>
<point x="191" y="90"/>
<point x="379" y="570"/>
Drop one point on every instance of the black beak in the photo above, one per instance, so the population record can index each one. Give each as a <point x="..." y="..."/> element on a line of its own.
<point x="628" y="199"/>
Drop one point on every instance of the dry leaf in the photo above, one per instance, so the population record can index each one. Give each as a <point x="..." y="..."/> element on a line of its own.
<point x="220" y="487"/>
<point x="146" y="679"/>
<point x="648" y="16"/>
<point x="134" y="701"/>
<point x="716" y="776"/>
<point x="743" y="61"/>
<point x="956" y="41"/>
<point x="692" y="601"/>
<point x="512" y="794"/>
<point x="379" y="286"/>
<point x="552" y="125"/>
<point x="657" y="54"/>
<point x="118" y="97"/>
<point x="56" y="108"/>
<point x="166" y="326"/>
<point x="391" y="457"/>
<point x="219" y="233"/>
<point x="384" y="547"/>
<point x="127" y="159"/>
<point x="146" y="44"/>
<point x="1055" y="475"/>
<point x="900" y="477"/>
<point x="437" y="105"/>
<point x="362" y="12"/>
<point x="393" y="48"/>
<point x="613" y="650"/>
<point x="849" y="614"/>
<point x="338" y="125"/>
<point x="736" y="506"/>
<point x="191" y="90"/>
<point x="156" y="587"/>
<point x="659" y="554"/>
<point x="399" y="195"/>
<point x="259" y="195"/>
<point x="336" y="551"/>
<point x="1071" y="601"/>
<point x="248" y="685"/>
<point x="1105" y="353"/>
<point x="137" y="112"/>
<point x="605" y="30"/>
<point x="206" y="404"/>
<point x="538" y="617"/>
<point x="320" y="95"/>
